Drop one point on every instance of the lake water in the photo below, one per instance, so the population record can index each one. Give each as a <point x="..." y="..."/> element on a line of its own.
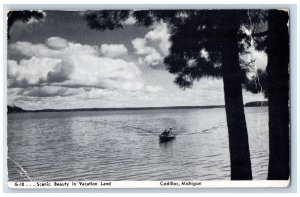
<point x="124" y="145"/>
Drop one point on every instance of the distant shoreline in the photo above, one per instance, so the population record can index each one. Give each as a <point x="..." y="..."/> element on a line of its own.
<point x="15" y="109"/>
<point x="20" y="110"/>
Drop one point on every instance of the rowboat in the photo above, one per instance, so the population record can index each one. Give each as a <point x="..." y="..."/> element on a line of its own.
<point x="165" y="138"/>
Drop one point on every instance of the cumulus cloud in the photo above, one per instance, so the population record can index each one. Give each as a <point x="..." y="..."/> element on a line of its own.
<point x="154" y="46"/>
<point x="31" y="71"/>
<point x="141" y="48"/>
<point x="153" y="59"/>
<point x="113" y="50"/>
<point x="57" y="43"/>
<point x="159" y="38"/>
<point x="51" y="49"/>
<point x="69" y="64"/>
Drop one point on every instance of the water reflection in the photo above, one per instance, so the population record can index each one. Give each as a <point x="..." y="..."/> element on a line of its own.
<point x="166" y="144"/>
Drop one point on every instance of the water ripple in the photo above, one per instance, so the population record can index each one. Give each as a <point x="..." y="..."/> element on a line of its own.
<point x="124" y="145"/>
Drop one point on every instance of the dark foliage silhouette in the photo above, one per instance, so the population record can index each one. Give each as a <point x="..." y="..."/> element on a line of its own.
<point x="23" y="16"/>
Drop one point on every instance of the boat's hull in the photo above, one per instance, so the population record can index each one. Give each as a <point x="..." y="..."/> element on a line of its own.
<point x="165" y="138"/>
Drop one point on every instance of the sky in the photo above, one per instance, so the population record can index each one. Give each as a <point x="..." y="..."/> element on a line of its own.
<point x="60" y="63"/>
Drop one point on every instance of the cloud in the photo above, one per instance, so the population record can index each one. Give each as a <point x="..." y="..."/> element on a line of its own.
<point x="67" y="64"/>
<point x="51" y="91"/>
<point x="33" y="20"/>
<point x="130" y="21"/>
<point x="154" y="46"/>
<point x="141" y="48"/>
<point x="154" y="59"/>
<point x="153" y="89"/>
<point x="261" y="59"/>
<point x="31" y="71"/>
<point x="52" y="51"/>
<point x="113" y="50"/>
<point x="57" y="43"/>
<point x="159" y="38"/>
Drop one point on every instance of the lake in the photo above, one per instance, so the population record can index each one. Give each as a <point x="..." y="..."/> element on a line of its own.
<point x="124" y="145"/>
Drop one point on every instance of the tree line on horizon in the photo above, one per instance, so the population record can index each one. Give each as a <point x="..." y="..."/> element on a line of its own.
<point x="17" y="109"/>
<point x="219" y="33"/>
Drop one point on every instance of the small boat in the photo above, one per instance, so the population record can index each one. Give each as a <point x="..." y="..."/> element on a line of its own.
<point x="165" y="138"/>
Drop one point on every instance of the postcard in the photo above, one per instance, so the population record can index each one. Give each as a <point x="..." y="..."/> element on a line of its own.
<point x="142" y="98"/>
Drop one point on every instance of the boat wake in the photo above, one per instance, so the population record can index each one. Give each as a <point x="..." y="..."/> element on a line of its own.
<point x="141" y="129"/>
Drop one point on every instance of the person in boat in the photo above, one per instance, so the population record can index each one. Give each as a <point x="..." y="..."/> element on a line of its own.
<point x="165" y="132"/>
<point x="170" y="131"/>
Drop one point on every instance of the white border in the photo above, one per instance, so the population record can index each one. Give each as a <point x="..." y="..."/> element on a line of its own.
<point x="146" y="184"/>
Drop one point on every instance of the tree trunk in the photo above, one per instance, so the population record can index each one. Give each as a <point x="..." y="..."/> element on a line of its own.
<point x="278" y="80"/>
<point x="237" y="129"/>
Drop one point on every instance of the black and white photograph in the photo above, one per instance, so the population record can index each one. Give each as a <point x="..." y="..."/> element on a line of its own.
<point x="177" y="97"/>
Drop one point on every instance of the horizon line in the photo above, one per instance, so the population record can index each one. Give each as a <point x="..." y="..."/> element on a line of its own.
<point x="127" y="108"/>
